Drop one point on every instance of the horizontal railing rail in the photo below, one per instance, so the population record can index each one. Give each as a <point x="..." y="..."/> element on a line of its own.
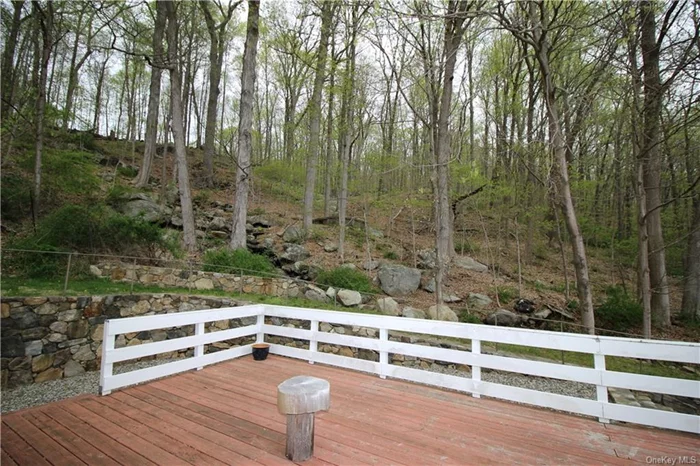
<point x="599" y="347"/>
<point x="114" y="327"/>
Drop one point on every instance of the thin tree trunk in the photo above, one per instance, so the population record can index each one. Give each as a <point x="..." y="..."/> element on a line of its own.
<point x="243" y="174"/>
<point x="8" y="81"/>
<point x="189" y="236"/>
<point x="660" y="305"/>
<point x="315" y="114"/>
<point x="691" y="290"/>
<point x="348" y="88"/>
<point x="153" y="98"/>
<point x="98" y="96"/>
<point x="45" y="19"/>
<point x="329" y="138"/>
<point x="443" y="218"/>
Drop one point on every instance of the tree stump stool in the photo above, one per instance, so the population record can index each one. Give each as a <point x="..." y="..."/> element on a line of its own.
<point x="299" y="398"/>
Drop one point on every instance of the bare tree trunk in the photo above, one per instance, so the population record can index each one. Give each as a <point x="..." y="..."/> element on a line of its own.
<point x="329" y="139"/>
<point x="189" y="235"/>
<point x="8" y="82"/>
<point x="98" y="96"/>
<point x="45" y="19"/>
<point x="348" y="88"/>
<point x="240" y="208"/>
<point x="443" y="218"/>
<point x="75" y="67"/>
<point x="315" y="114"/>
<point x="651" y="154"/>
<point x="153" y="98"/>
<point x="560" y="171"/>
<point x="691" y="290"/>
<point x="217" y="38"/>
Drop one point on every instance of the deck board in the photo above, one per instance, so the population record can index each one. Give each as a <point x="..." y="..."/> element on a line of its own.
<point x="226" y="414"/>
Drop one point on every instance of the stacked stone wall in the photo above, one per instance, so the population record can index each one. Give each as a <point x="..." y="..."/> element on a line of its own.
<point x="48" y="338"/>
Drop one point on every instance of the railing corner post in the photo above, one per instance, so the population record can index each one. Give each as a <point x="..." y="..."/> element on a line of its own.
<point x="260" y="337"/>
<point x="383" y="353"/>
<point x="199" y="349"/>
<point x="313" y="341"/>
<point x="601" y="389"/>
<point x="476" y="369"/>
<point x="105" y="363"/>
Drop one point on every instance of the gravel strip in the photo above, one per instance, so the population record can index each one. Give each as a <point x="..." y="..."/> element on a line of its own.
<point x="37" y="394"/>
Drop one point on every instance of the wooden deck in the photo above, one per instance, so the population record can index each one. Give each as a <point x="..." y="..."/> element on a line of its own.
<point x="227" y="414"/>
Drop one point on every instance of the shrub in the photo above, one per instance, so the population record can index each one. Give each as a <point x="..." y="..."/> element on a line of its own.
<point x="127" y="171"/>
<point x="33" y="264"/>
<point x="228" y="261"/>
<point x="619" y="312"/>
<point x="468" y="318"/>
<point x="15" y="197"/>
<point x="346" y="278"/>
<point x="82" y="228"/>
<point x="391" y="255"/>
<point x="506" y="294"/>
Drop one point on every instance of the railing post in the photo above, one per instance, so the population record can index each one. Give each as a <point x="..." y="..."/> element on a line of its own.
<point x="313" y="342"/>
<point x="601" y="389"/>
<point x="65" y="282"/>
<point x="106" y="367"/>
<point x="383" y="353"/>
<point x="260" y="337"/>
<point x="476" y="370"/>
<point x="199" y="349"/>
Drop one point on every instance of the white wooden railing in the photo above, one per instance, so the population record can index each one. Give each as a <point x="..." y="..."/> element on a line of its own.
<point x="598" y="346"/>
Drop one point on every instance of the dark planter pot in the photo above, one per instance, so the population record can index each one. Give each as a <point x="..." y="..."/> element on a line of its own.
<point x="260" y="351"/>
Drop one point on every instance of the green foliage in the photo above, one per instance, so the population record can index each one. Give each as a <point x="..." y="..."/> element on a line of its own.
<point x="68" y="175"/>
<point x="83" y="229"/>
<point x="619" y="312"/>
<point x="32" y="264"/>
<point x="118" y="193"/>
<point x="468" y="318"/>
<point x="202" y="198"/>
<point x="466" y="246"/>
<point x="127" y="171"/>
<point x="507" y="294"/>
<point x="284" y="179"/>
<point x="346" y="278"/>
<point x="241" y="260"/>
<point x="391" y="255"/>
<point x="15" y="196"/>
<point x="257" y="211"/>
<point x="316" y="234"/>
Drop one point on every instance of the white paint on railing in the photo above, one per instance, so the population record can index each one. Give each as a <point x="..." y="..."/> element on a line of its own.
<point x="598" y="347"/>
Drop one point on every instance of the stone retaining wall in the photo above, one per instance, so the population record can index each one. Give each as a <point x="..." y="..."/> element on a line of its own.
<point x="55" y="337"/>
<point x="48" y="338"/>
<point x="198" y="280"/>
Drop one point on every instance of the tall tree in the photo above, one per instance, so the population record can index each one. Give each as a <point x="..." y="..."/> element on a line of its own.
<point x="315" y="113"/>
<point x="183" y="177"/>
<point x="153" y="97"/>
<point x="454" y="30"/>
<point x="532" y="25"/>
<point x="245" y="126"/>
<point x="217" y="42"/>
<point x="8" y="57"/>
<point x="45" y="18"/>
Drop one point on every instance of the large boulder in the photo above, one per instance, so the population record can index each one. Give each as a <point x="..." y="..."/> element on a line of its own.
<point x="147" y="209"/>
<point x="478" y="300"/>
<point x="397" y="280"/>
<point x="294" y="234"/>
<point x="349" y="298"/>
<point x="467" y="263"/>
<point x="426" y="258"/>
<point x="302" y="270"/>
<point x="388" y="306"/>
<point x="219" y="223"/>
<point x="294" y="253"/>
<point x="259" y="221"/>
<point x="315" y="293"/>
<point x="442" y="312"/>
<point x="504" y="318"/>
<point x="413" y="313"/>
